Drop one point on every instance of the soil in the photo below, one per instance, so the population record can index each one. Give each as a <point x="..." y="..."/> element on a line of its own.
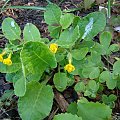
<point x="22" y="17"/>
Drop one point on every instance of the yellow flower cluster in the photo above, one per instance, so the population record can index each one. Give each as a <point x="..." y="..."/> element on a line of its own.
<point x="53" y="47"/>
<point x="6" y="61"/>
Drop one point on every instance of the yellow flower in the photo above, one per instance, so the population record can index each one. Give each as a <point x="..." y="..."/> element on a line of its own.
<point x="1" y="56"/>
<point x="53" y="47"/>
<point x="8" y="60"/>
<point x="69" y="67"/>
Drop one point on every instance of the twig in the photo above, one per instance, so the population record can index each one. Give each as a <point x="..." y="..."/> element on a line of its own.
<point x="63" y="104"/>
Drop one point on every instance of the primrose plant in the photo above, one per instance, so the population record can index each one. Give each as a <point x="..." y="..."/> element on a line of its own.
<point x="30" y="62"/>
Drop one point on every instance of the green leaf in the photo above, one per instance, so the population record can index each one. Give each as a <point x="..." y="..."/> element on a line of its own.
<point x="93" y="111"/>
<point x="112" y="97"/>
<point x="20" y="84"/>
<point x="88" y="44"/>
<point x="107" y="76"/>
<point x="99" y="23"/>
<point x="80" y="87"/>
<point x="59" y="56"/>
<point x="105" y="99"/>
<point x="68" y="37"/>
<point x="76" y="20"/>
<point x="66" y="116"/>
<point x="93" y="85"/>
<point x="116" y="68"/>
<point x="36" y="103"/>
<point x="60" y="81"/>
<point x="36" y="57"/>
<point x="16" y="65"/>
<point x="66" y="20"/>
<point x="94" y="73"/>
<point x="9" y="77"/>
<point x="94" y="60"/>
<point x="54" y="31"/>
<point x="91" y="72"/>
<point x="88" y="3"/>
<point x="114" y="48"/>
<point x="79" y="54"/>
<point x="103" y="76"/>
<point x="98" y="48"/>
<point x="72" y="108"/>
<point x="105" y="40"/>
<point x="31" y="33"/>
<point x="91" y="89"/>
<point x="10" y="29"/>
<point x="52" y="14"/>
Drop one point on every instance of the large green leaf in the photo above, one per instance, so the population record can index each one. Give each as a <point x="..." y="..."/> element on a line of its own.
<point x="36" y="103"/>
<point x="52" y="14"/>
<point x="79" y="54"/>
<point x="66" y="116"/>
<point x="66" y="20"/>
<point x="93" y="111"/>
<point x="105" y="39"/>
<point x="60" y="80"/>
<point x="92" y="24"/>
<point x="16" y="64"/>
<point x="68" y="37"/>
<point x="10" y="29"/>
<point x="36" y="57"/>
<point x="31" y="33"/>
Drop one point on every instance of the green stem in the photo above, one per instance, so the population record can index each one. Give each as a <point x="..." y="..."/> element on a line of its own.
<point x="27" y="7"/>
<point x="109" y="9"/>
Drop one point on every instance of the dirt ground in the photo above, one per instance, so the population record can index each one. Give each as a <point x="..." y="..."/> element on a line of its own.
<point x="22" y="17"/>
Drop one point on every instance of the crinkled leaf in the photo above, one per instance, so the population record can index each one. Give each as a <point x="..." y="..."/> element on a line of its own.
<point x="36" y="57"/>
<point x="60" y="81"/>
<point x="66" y="116"/>
<point x="93" y="85"/>
<point x="93" y="111"/>
<point x="80" y="87"/>
<point x="36" y="103"/>
<point x="10" y="29"/>
<point x="31" y="33"/>
<point x="52" y="14"/>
